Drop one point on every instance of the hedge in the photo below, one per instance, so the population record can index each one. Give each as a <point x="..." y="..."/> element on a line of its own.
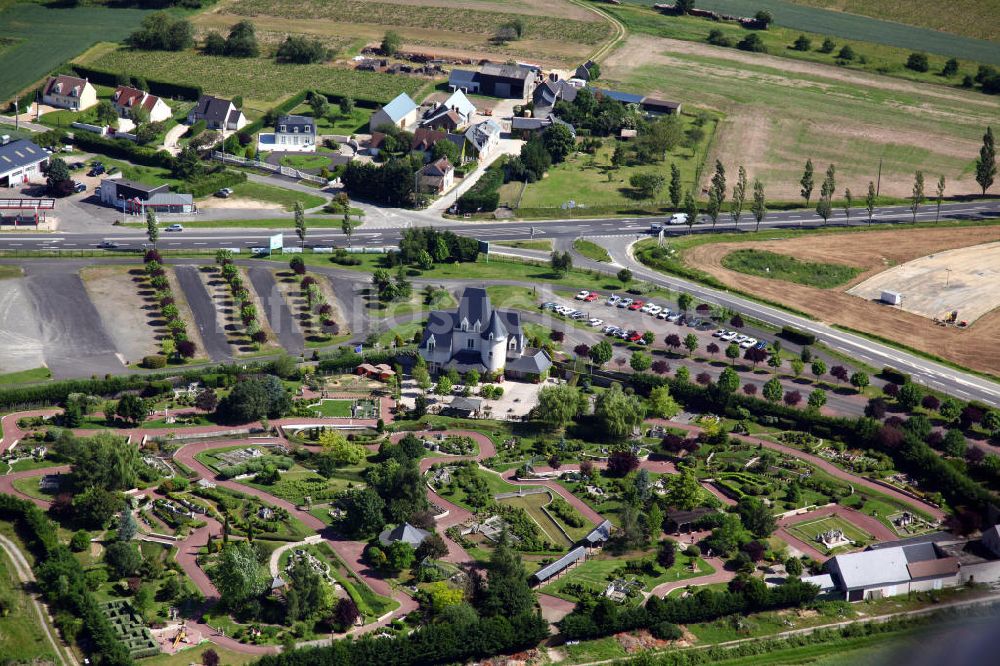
<point x="485" y="194"/>
<point x="123" y="149"/>
<point x="62" y="580"/>
<point x="797" y="336"/>
<point x="161" y="88"/>
<point x="349" y="361"/>
<point x="895" y="376"/>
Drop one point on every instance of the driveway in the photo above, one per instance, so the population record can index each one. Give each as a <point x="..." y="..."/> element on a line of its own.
<point x="216" y="345"/>
<point x="75" y="342"/>
<point x="171" y="138"/>
<point x="278" y="313"/>
<point x="507" y="147"/>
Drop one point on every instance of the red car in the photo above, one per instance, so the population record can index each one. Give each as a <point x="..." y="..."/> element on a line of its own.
<point x="635" y="337"/>
<point x="636" y="305"/>
<point x="591" y="297"/>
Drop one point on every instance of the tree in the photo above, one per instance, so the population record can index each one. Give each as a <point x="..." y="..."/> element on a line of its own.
<point x="756" y="516"/>
<point x="320" y="105"/>
<point x="954" y="443"/>
<point x="759" y="206"/>
<point x="685" y="301"/>
<point x="123" y="559"/>
<point x="950" y="410"/>
<point x="340" y="450"/>
<point x="691" y="342"/>
<point x="793" y="566"/>
<point x="848" y="201"/>
<point x="986" y="164"/>
<point x="131" y="408"/>
<point x="561" y="262"/>
<point x="870" y="202"/>
<point x="661" y="403"/>
<point x="210" y="658"/>
<point x="214" y="44"/>
<point x="739" y="196"/>
<point x="57" y="178"/>
<point x="950" y="68"/>
<point x="729" y="381"/>
<point x="824" y="207"/>
<point x="846" y="53"/>
<point x="444" y="386"/>
<point x="807" y="182"/>
<point x="601" y="353"/>
<point x="300" y="223"/>
<point x="772" y="390"/>
<point x="675" y="187"/>
<point x="617" y="413"/>
<point x="160" y="31"/>
<point x="640" y="361"/>
<point x="346" y="105"/>
<point x="917" y="197"/>
<point x="716" y="192"/>
<point x="621" y="462"/>
<point x="239" y="576"/>
<point x="859" y="380"/>
<point x="242" y="41"/>
<point x="733" y="352"/>
<point x="391" y="42"/>
<point x="646" y="184"/>
<point x="684" y="6"/>
<point x="917" y="62"/>
<point x="105" y="112"/>
<point x="624" y="276"/>
<point x="301" y="50"/>
<point x="817" y="398"/>
<point x="508" y="593"/>
<point x="940" y="197"/>
<point x="363" y="507"/>
<point x="347" y="228"/>
<point x="690" y="209"/>
<point x="557" y="405"/>
<point x="127" y="527"/>
<point x="558" y="141"/>
<point x="398" y="556"/>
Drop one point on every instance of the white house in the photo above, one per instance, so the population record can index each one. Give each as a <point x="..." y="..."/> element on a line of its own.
<point x="126" y="99"/>
<point x="437" y="177"/>
<point x="69" y="92"/>
<point x="400" y="112"/>
<point x="218" y="114"/>
<point x="449" y="115"/>
<point x="483" y="138"/>
<point x="477" y="337"/>
<point x="295" y="134"/>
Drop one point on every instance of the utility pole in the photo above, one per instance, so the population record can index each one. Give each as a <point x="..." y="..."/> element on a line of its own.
<point x="17" y="109"/>
<point x="878" y="185"/>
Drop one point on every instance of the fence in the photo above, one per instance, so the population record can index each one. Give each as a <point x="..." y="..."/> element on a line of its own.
<point x="279" y="169"/>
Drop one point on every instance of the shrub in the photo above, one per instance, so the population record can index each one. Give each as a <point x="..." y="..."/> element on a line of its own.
<point x="797" y="336"/>
<point x="154" y="362"/>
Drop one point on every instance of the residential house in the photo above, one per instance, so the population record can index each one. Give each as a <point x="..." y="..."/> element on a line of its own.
<point x="464" y="408"/>
<point x="19" y="161"/>
<point x="583" y="71"/>
<point x="217" y="113"/>
<point x="483" y="139"/>
<point x="496" y="80"/>
<point x="549" y="92"/>
<point x="436" y="177"/>
<point x="400" y="112"/>
<point x="69" y="92"/>
<point x="127" y="99"/>
<point x="136" y="198"/>
<point x="476" y="337"/>
<point x="525" y="128"/>
<point x="424" y="139"/>
<point x="454" y="112"/>
<point x="292" y="134"/>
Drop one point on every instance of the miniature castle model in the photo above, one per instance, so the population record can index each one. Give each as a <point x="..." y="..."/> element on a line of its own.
<point x="833" y="539"/>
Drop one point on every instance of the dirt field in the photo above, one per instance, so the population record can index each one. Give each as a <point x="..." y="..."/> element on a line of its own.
<point x="966" y="280"/>
<point x="976" y="347"/>
<point x="127" y="317"/>
<point x="21" y="346"/>
<point x="779" y="112"/>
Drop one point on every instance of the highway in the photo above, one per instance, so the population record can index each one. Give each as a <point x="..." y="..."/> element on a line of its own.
<point x="388" y="236"/>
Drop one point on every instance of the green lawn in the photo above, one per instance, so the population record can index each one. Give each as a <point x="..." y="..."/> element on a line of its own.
<point x="372" y="605"/>
<point x="50" y="34"/>
<point x="26" y="376"/>
<point x="29" y="486"/>
<point x="334" y="408"/>
<point x="335" y="122"/>
<point x="590" y="180"/>
<point x="22" y="639"/>
<point x="532" y="505"/>
<point x="807" y="532"/>
<point x="594" y="574"/>
<point x="591" y="250"/>
<point x="299" y="482"/>
<point x="405" y="331"/>
<point x="544" y="245"/>
<point x="278" y="195"/>
<point x="764" y="263"/>
<point x="307" y="161"/>
<point x="192" y="655"/>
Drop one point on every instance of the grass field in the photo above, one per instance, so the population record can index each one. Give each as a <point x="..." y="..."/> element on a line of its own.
<point x="554" y="30"/>
<point x="962" y="16"/>
<point x="337" y="123"/>
<point x="261" y="81"/>
<point x="22" y="639"/>
<point x="594" y="574"/>
<point x="591" y="250"/>
<point x="533" y="504"/>
<point x="808" y="531"/>
<point x="340" y="409"/>
<point x="49" y="35"/>
<point x="590" y="180"/>
<point x="779" y="113"/>
<point x="307" y="161"/>
<point x="543" y="245"/>
<point x="784" y="267"/>
<point x="278" y="195"/>
<point x="26" y="376"/>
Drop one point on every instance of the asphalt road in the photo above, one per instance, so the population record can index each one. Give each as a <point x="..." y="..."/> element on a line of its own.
<point x="216" y="344"/>
<point x="278" y="313"/>
<point x="388" y="236"/>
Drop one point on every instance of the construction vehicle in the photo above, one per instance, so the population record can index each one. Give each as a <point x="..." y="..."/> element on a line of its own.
<point x="181" y="635"/>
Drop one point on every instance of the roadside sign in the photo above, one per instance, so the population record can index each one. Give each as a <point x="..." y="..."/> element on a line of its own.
<point x="277" y="242"/>
<point x="484" y="247"/>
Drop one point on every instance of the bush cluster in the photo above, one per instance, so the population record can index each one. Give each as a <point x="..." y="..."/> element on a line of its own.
<point x="178" y="344"/>
<point x="242" y="302"/>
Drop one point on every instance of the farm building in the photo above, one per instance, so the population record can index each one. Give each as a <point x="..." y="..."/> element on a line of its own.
<point x="19" y="161"/>
<point x="560" y="566"/>
<point x="69" y="92"/>
<point x="218" y="114"/>
<point x="400" y="112"/>
<point x="496" y="80"/>
<point x="127" y="99"/>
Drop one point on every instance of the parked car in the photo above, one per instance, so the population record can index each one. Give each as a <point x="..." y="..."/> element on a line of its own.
<point x="645" y="308"/>
<point x="636" y="336"/>
<point x="175" y="227"/>
<point x="547" y="306"/>
<point x="663" y="314"/>
<point x="224" y="193"/>
<point x="625" y="302"/>
<point x="592" y="296"/>
<point x="96" y="170"/>
<point x="729" y="336"/>
<point x="77" y="165"/>
<point x="613" y="300"/>
<point x="675" y="317"/>
<point x="762" y="344"/>
<point x="635" y="305"/>
<point x="582" y="295"/>
<point x="612" y="330"/>
<point x="654" y="310"/>
<point x="578" y="315"/>
<point x="595" y="322"/>
<point x="79" y="187"/>
<point x="719" y="333"/>
<point x="748" y="343"/>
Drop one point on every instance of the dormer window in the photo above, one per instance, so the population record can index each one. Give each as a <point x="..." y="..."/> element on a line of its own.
<point x="430" y="343"/>
<point x="281" y="129"/>
<point x="465" y="325"/>
<point x="58" y="87"/>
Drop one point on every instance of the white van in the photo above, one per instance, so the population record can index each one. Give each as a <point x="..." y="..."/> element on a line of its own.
<point x="678" y="218"/>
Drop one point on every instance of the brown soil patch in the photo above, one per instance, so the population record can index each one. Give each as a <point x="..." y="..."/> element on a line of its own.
<point x="240" y="204"/>
<point x="975" y="347"/>
<point x="128" y="316"/>
<point x="640" y="641"/>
